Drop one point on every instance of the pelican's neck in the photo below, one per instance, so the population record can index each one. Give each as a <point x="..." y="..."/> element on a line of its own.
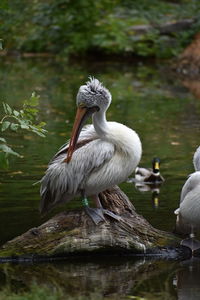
<point x="196" y="159"/>
<point x="100" y="123"/>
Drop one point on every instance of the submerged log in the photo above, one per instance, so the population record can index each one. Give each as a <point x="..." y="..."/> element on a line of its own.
<point x="74" y="233"/>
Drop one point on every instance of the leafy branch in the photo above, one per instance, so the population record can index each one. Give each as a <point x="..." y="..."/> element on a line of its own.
<point x="14" y="120"/>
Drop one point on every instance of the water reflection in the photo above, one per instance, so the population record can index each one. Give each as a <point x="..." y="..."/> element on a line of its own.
<point x="153" y="189"/>
<point x="119" y="278"/>
<point x="187" y="280"/>
<point x="149" y="180"/>
<point x="151" y="279"/>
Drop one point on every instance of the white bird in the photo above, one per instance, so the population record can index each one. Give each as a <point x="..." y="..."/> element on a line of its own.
<point x="98" y="157"/>
<point x="188" y="213"/>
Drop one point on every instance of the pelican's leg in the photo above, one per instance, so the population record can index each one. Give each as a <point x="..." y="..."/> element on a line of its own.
<point x="105" y="211"/>
<point x="97" y="201"/>
<point x="95" y="214"/>
<point x="191" y="242"/>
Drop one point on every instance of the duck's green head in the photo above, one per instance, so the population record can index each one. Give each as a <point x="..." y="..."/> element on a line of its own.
<point x="156" y="164"/>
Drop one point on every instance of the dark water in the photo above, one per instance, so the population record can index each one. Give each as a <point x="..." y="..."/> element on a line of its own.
<point x="148" y="98"/>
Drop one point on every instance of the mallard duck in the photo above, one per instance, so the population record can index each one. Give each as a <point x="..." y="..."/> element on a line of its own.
<point x="149" y="176"/>
<point x="188" y="213"/>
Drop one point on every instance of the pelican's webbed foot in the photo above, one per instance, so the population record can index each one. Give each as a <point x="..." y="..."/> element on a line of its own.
<point x="111" y="214"/>
<point x="191" y="243"/>
<point x="97" y="214"/>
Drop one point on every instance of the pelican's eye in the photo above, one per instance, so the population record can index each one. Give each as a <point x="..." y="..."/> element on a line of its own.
<point x="81" y="104"/>
<point x="92" y="89"/>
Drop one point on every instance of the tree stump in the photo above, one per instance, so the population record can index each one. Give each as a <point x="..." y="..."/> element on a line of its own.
<point x="74" y="233"/>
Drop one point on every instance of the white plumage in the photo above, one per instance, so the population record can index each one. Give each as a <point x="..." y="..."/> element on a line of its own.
<point x="190" y="201"/>
<point x="188" y="213"/>
<point x="104" y="154"/>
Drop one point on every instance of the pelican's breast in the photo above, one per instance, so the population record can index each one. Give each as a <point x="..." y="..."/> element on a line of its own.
<point x="190" y="208"/>
<point x="127" y="143"/>
<point x="126" y="157"/>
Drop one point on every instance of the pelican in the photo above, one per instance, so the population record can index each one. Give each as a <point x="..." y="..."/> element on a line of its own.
<point x="149" y="176"/>
<point x="188" y="213"/>
<point x="96" y="158"/>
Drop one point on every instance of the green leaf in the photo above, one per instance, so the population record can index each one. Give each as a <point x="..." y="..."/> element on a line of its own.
<point x="38" y="133"/>
<point x="42" y="124"/>
<point x="6" y="149"/>
<point x="5" y="125"/>
<point x="14" y="126"/>
<point x="2" y="140"/>
<point x="43" y="130"/>
<point x="25" y="119"/>
<point x="1" y="45"/>
<point x="24" y="122"/>
<point x="8" y="108"/>
<point x="24" y="126"/>
<point x="33" y="100"/>
<point x="3" y="161"/>
<point x="31" y="110"/>
<point x="4" y="107"/>
<point x="16" y="113"/>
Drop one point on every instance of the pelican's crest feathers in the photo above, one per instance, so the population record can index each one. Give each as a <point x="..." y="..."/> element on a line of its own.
<point x="94" y="84"/>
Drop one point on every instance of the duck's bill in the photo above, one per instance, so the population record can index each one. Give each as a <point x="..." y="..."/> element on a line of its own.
<point x="157" y="165"/>
<point x="82" y="115"/>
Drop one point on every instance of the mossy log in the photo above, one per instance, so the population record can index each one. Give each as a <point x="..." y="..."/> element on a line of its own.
<point x="74" y="233"/>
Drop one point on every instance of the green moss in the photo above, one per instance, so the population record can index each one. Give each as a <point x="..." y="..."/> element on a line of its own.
<point x="171" y="240"/>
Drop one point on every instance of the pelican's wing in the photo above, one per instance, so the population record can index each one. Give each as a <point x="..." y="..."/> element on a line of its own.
<point x="63" y="181"/>
<point x="87" y="134"/>
<point x="192" y="181"/>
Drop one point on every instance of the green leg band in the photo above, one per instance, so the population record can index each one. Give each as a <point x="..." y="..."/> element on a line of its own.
<point x="85" y="202"/>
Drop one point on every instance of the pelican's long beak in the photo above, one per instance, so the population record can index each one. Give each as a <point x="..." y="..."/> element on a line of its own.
<point x="82" y="115"/>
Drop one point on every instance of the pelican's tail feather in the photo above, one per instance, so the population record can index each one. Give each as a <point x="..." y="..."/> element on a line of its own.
<point x="50" y="200"/>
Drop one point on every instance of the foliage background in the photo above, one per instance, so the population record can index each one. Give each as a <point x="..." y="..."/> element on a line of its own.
<point x="77" y="27"/>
